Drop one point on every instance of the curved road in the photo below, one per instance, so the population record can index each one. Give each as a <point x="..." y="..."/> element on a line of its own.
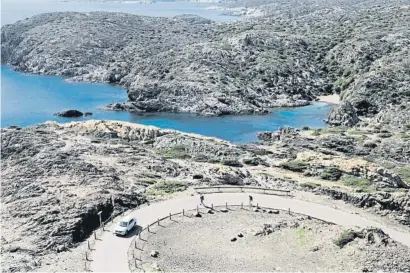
<point x="111" y="252"/>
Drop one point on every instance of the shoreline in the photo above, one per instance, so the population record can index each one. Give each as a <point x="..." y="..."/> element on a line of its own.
<point x="332" y="99"/>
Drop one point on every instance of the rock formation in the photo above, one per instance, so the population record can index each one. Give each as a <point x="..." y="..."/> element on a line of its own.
<point x="343" y="115"/>
<point x="69" y="114"/>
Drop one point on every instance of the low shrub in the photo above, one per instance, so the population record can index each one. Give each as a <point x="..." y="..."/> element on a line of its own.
<point x="347" y="237"/>
<point x="356" y="182"/>
<point x="177" y="152"/>
<point x="309" y="185"/>
<point x="197" y="176"/>
<point x="232" y="163"/>
<point x="385" y="135"/>
<point x="404" y="173"/>
<point x="295" y="165"/>
<point x="331" y="173"/>
<point x="166" y="187"/>
<point x="359" y="132"/>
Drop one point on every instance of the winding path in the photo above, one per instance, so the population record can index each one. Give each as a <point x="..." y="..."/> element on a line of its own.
<point x="110" y="253"/>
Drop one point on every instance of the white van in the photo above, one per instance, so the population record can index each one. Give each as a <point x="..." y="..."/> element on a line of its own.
<point x="125" y="225"/>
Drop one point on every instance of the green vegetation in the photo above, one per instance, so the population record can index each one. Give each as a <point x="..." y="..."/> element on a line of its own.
<point x="359" y="132"/>
<point x="178" y="152"/>
<point x="331" y="173"/>
<point x="405" y="136"/>
<point x="295" y="165"/>
<point x="301" y="236"/>
<point x="149" y="181"/>
<point x="232" y="163"/>
<point x="200" y="158"/>
<point x="347" y="237"/>
<point x="330" y="130"/>
<point x="166" y="187"/>
<point x="356" y="182"/>
<point x="404" y="173"/>
<point x="343" y="82"/>
<point x="309" y="185"/>
<point x="385" y="135"/>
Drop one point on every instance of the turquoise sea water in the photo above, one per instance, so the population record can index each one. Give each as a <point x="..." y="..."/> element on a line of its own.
<point x="30" y="99"/>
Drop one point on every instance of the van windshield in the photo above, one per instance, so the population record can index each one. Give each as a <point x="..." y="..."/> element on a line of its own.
<point x="123" y="224"/>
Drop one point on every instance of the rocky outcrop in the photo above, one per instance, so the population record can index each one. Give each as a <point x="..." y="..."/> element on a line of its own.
<point x="69" y="114"/>
<point x="282" y="133"/>
<point x="343" y="115"/>
<point x="396" y="206"/>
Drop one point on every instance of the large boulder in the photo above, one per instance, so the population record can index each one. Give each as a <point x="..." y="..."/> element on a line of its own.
<point x="69" y="114"/>
<point x="343" y="115"/>
<point x="283" y="133"/>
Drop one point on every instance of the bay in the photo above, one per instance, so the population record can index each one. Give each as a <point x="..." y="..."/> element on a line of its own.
<point x="28" y="99"/>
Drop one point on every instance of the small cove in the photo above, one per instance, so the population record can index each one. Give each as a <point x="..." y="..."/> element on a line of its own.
<point x="31" y="99"/>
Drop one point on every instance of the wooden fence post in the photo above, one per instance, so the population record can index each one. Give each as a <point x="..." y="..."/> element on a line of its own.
<point x="148" y="228"/>
<point x="183" y="212"/>
<point x="169" y="216"/>
<point x="289" y="211"/>
<point x="242" y="205"/>
<point x="226" y="205"/>
<point x="158" y="222"/>
<point x="95" y="235"/>
<point x="212" y="206"/>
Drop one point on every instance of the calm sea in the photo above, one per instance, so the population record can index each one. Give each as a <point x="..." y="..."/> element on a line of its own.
<point x="30" y="99"/>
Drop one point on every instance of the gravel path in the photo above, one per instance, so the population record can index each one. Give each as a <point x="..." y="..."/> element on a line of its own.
<point x="111" y="251"/>
<point x="204" y="244"/>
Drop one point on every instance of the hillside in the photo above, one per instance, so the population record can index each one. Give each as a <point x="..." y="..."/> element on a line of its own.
<point x="189" y="64"/>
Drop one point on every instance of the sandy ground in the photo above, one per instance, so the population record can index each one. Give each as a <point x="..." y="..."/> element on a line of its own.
<point x="333" y="99"/>
<point x="192" y="244"/>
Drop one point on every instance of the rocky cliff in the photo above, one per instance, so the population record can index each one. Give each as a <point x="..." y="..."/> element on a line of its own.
<point x="190" y="64"/>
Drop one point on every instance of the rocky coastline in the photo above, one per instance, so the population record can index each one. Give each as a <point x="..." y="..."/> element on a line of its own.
<point x="191" y="64"/>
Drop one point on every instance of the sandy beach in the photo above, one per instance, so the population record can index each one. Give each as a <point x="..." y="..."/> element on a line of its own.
<point x="334" y="99"/>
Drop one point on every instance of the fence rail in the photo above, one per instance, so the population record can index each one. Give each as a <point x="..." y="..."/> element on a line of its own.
<point x="98" y="233"/>
<point x="135" y="261"/>
<point x="242" y="188"/>
<point x="95" y="237"/>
